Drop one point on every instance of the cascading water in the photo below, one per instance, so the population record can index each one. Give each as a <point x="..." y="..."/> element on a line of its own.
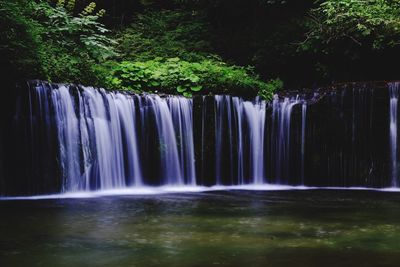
<point x="394" y="96"/>
<point x="68" y="134"/>
<point x="255" y="117"/>
<point x="181" y="112"/>
<point x="98" y="137"/>
<point x="281" y="123"/>
<point x="127" y="110"/>
<point x="303" y="138"/>
<point x="232" y="116"/>
<point x="170" y="162"/>
<point x="100" y="140"/>
<point x="221" y="104"/>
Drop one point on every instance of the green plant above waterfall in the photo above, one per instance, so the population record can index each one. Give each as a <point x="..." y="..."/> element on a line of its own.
<point x="195" y="47"/>
<point x="173" y="75"/>
<point x="170" y="51"/>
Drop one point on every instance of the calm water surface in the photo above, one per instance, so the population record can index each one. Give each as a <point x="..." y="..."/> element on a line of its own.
<point x="235" y="228"/>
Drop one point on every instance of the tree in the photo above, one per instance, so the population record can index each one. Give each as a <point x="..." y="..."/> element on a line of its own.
<point x="371" y="23"/>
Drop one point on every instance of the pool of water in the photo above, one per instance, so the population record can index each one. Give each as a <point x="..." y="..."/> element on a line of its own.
<point x="217" y="228"/>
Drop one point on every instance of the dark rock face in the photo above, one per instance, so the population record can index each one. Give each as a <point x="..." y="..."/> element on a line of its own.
<point x="338" y="136"/>
<point x="347" y="137"/>
<point x="29" y="146"/>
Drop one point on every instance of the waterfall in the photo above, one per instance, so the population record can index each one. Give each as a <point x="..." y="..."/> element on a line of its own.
<point x="219" y="119"/>
<point x="98" y="137"/>
<point x="102" y="140"/>
<point x="68" y="137"/>
<point x="232" y="115"/>
<point x="170" y="163"/>
<point x="394" y="95"/>
<point x="181" y="111"/>
<point x="224" y="136"/>
<point x="127" y="112"/>
<point x="203" y="136"/>
<point x="303" y="138"/>
<point x="281" y="134"/>
<point x="237" y="102"/>
<point x="255" y="116"/>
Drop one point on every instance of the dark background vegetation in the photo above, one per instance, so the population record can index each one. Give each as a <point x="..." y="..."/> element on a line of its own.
<point x="192" y="46"/>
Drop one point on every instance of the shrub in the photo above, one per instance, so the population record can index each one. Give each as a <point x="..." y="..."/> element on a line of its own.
<point x="73" y="45"/>
<point x="270" y="87"/>
<point x="174" y="75"/>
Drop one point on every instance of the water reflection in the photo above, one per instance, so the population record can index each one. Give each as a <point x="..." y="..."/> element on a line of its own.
<point x="287" y="228"/>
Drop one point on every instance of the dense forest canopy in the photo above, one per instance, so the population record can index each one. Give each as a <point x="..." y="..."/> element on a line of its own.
<point x="200" y="46"/>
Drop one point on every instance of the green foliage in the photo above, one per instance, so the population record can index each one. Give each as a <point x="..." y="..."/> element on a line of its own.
<point x="162" y="51"/>
<point x="270" y="87"/>
<point x="71" y="6"/>
<point x="20" y="38"/>
<point x="168" y="51"/>
<point x="74" y="45"/>
<point x="174" y="75"/>
<point x="62" y="48"/>
<point x="300" y="41"/>
<point x="371" y="23"/>
<point x="165" y="33"/>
